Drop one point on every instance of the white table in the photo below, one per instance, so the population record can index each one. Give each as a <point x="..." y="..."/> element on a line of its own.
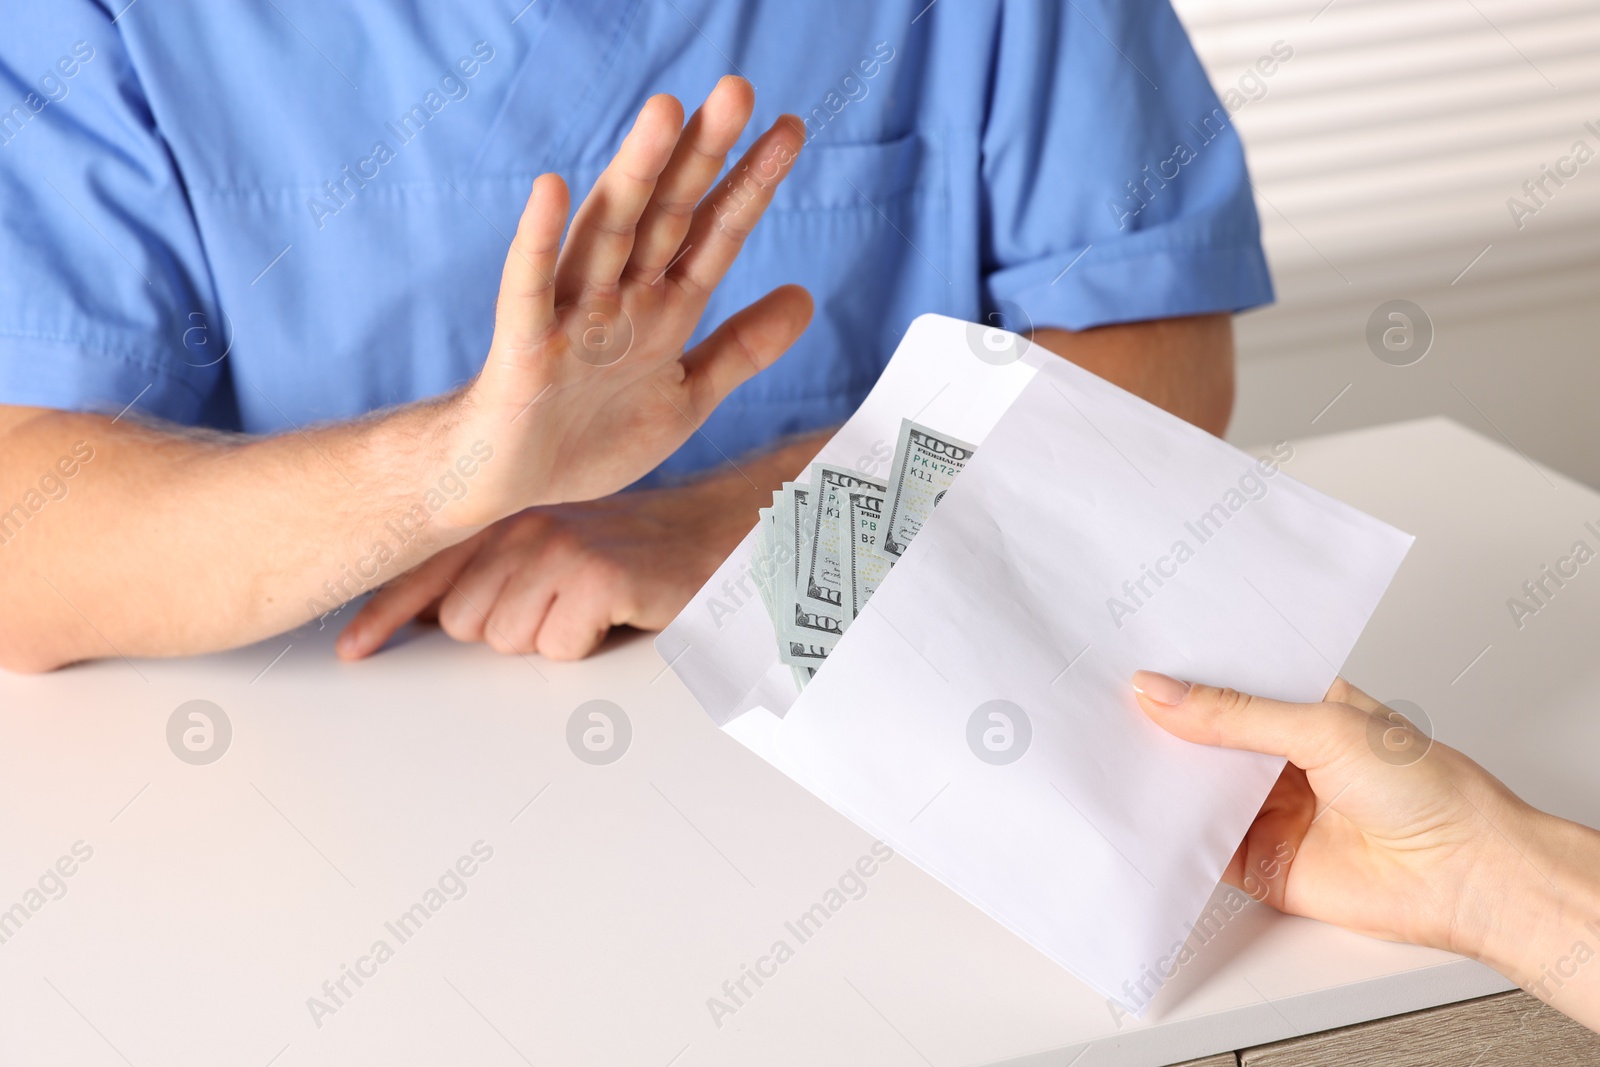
<point x="621" y="897"/>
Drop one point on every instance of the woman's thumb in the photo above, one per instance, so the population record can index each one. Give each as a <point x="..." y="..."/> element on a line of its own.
<point x="1308" y="735"/>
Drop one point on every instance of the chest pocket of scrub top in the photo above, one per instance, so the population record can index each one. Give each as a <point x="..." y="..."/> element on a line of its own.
<point x="864" y="227"/>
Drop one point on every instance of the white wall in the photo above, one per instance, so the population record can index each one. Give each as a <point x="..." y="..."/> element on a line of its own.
<point x="1384" y="153"/>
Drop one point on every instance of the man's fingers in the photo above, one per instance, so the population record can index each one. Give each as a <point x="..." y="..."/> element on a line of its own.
<point x="556" y="606"/>
<point x="401" y="600"/>
<point x="1309" y="735"/>
<point x="526" y="311"/>
<point x="603" y="230"/>
<point x="727" y="216"/>
<point x="572" y="628"/>
<point x="521" y="607"/>
<point x="696" y="161"/>
<point x="470" y="597"/>
<point x="748" y="342"/>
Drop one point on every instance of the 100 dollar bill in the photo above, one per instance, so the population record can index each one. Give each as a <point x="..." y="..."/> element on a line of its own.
<point x="860" y="531"/>
<point x="926" y="463"/>
<point x="799" y="654"/>
<point x="796" y="619"/>
<point x="822" y="549"/>
<point x="824" y="578"/>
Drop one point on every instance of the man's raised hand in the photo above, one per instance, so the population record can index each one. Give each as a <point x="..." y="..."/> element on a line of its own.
<point x="587" y="385"/>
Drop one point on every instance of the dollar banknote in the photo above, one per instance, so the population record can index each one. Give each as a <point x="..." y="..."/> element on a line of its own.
<point x="763" y="567"/>
<point x="791" y="508"/>
<point x="822" y="548"/>
<point x="802" y="654"/>
<point x="863" y="565"/>
<point x="798" y="621"/>
<point x="824" y="586"/>
<point x="926" y="463"/>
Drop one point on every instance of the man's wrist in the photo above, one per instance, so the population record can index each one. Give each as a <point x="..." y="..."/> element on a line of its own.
<point x="758" y="475"/>
<point x="472" y="467"/>
<point x="730" y="500"/>
<point x="423" y="472"/>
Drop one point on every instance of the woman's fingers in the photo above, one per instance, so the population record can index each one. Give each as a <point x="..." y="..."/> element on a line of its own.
<point x="723" y="221"/>
<point x="1308" y="735"/>
<point x="525" y="313"/>
<point x="1261" y="866"/>
<point x="1342" y="692"/>
<point x="603" y="230"/>
<point x="696" y="161"/>
<point x="749" y="341"/>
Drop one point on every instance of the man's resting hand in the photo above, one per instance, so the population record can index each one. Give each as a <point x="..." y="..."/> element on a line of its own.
<point x="555" y="580"/>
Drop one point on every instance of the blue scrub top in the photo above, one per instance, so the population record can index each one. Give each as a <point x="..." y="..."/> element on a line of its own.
<point x="263" y="216"/>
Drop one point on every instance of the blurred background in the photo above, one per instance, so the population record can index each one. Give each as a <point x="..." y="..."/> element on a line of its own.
<point x="1405" y="152"/>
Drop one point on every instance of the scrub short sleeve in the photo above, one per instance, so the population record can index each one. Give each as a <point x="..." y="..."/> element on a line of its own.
<point x="1115" y="184"/>
<point x="105" y="295"/>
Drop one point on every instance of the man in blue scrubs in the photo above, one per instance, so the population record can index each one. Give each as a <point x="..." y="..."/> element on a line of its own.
<point x="223" y="221"/>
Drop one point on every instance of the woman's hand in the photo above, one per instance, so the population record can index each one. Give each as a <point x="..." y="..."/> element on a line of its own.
<point x="1374" y="827"/>
<point x="587" y="385"/>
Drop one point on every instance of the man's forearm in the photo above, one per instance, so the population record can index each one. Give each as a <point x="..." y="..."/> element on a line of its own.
<point x="1184" y="365"/>
<point x="742" y="489"/>
<point x="162" y="542"/>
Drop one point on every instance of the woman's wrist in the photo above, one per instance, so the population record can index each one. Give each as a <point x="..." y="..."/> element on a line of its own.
<point x="1541" y="911"/>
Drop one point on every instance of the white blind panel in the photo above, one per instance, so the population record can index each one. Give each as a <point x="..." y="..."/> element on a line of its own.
<point x="1385" y="150"/>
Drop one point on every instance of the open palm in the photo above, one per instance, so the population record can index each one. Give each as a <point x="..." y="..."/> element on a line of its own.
<point x="587" y="384"/>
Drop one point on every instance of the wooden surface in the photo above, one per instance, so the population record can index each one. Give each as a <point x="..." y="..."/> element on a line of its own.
<point x="1507" y="1030"/>
<point x="1222" y="1059"/>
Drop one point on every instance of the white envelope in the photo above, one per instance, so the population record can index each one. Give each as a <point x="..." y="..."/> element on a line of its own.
<point x="978" y="717"/>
